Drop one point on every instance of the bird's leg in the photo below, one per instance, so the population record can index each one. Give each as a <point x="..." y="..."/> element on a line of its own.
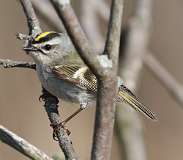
<point x="82" y="107"/>
<point x="62" y="124"/>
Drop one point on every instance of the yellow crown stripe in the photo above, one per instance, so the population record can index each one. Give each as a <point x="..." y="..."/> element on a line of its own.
<point x="41" y="36"/>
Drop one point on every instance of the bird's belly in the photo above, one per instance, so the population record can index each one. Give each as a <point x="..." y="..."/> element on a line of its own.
<point x="63" y="89"/>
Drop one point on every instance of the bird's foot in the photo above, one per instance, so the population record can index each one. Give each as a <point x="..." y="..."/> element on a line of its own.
<point x="43" y="97"/>
<point x="56" y="128"/>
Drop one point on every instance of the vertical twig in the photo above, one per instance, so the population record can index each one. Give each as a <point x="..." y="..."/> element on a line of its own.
<point x="114" y="32"/>
<point x="105" y="111"/>
<point x="129" y="127"/>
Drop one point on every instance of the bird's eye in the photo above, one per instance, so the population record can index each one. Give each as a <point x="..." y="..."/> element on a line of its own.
<point x="47" y="47"/>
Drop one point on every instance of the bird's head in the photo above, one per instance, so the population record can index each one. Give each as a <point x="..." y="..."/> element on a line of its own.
<point x="49" y="47"/>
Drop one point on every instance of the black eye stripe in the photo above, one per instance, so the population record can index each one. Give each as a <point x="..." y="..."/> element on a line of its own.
<point x="46" y="38"/>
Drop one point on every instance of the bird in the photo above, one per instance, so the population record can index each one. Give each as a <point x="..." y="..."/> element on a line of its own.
<point x="62" y="73"/>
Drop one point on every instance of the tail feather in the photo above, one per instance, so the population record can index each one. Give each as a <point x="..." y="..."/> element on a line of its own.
<point x="127" y="96"/>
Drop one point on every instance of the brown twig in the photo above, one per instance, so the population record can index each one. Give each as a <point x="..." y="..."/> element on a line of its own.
<point x="7" y="63"/>
<point x="21" y="145"/>
<point x="105" y="111"/>
<point x="51" y="107"/>
<point x="114" y="32"/>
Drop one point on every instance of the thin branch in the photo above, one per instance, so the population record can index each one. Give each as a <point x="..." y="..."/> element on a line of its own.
<point x="167" y="80"/>
<point x="105" y="111"/>
<point x="21" y="145"/>
<point x="70" y="21"/>
<point x="114" y="31"/>
<point x="7" y="63"/>
<point x="32" y="21"/>
<point x="51" y="107"/>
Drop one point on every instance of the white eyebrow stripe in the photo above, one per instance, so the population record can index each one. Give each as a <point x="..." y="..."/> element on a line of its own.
<point x="53" y="41"/>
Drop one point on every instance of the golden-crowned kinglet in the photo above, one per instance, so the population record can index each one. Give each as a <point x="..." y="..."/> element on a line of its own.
<point x="63" y="73"/>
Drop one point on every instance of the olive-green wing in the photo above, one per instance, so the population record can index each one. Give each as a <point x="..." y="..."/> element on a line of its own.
<point x="78" y="75"/>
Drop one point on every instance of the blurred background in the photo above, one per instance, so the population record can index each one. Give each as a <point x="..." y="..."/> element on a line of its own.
<point x="22" y="113"/>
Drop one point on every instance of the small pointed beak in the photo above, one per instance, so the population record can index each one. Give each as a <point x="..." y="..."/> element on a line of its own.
<point x="30" y="49"/>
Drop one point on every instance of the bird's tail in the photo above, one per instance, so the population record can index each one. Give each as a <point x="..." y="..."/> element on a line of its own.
<point x="127" y="96"/>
